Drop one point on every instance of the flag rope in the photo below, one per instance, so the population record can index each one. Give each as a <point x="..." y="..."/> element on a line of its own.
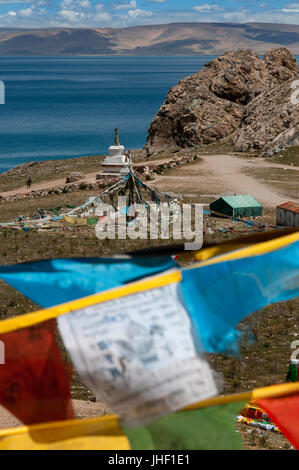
<point x="273" y="391"/>
<point x="218" y="253"/>
<point x="29" y="319"/>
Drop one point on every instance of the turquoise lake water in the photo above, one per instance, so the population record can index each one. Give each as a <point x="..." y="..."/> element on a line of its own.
<point x="61" y="107"/>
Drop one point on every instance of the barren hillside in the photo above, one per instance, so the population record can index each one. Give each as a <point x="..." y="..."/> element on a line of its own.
<point x="167" y="39"/>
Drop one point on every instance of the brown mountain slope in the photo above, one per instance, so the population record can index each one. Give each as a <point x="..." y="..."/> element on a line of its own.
<point x="167" y="39"/>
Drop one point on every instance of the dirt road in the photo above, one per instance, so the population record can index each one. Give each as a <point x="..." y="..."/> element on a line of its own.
<point x="213" y="174"/>
<point x="89" y="178"/>
<point x="52" y="184"/>
<point x="230" y="170"/>
<point x="221" y="174"/>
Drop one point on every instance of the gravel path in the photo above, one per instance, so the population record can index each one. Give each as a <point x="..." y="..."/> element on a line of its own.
<point x="220" y="172"/>
<point x="229" y="169"/>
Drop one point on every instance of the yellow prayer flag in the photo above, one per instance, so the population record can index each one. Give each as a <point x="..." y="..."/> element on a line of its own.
<point x="103" y="433"/>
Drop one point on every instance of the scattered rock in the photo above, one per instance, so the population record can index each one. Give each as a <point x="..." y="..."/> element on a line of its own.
<point x="105" y="183"/>
<point x="73" y="177"/>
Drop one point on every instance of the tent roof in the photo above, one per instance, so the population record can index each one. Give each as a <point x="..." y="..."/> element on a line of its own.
<point x="241" y="201"/>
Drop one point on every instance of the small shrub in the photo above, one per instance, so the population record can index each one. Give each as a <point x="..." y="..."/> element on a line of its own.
<point x="83" y="186"/>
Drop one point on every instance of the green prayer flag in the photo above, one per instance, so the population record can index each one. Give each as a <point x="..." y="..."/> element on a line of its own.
<point x="212" y="428"/>
<point x="92" y="221"/>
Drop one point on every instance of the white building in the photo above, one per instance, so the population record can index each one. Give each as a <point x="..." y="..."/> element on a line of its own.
<point x="116" y="163"/>
<point x="287" y="214"/>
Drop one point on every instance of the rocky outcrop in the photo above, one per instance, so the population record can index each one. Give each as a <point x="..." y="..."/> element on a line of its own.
<point x="238" y="95"/>
<point x="73" y="177"/>
<point x="271" y="122"/>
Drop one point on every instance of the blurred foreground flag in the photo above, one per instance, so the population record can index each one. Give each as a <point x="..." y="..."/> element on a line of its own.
<point x="139" y="345"/>
<point x="220" y="292"/>
<point x="231" y="282"/>
<point x="210" y="428"/>
<point x="137" y="352"/>
<point x="284" y="412"/>
<point x="102" y="433"/>
<point x="209" y="424"/>
<point x="53" y="282"/>
<point x="34" y="380"/>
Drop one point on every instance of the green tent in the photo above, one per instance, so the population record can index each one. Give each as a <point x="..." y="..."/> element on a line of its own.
<point x="237" y="206"/>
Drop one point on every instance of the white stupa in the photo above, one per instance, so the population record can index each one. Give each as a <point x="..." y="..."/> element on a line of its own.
<point x="116" y="163"/>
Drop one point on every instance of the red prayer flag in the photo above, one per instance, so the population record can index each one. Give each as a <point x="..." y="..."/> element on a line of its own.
<point x="34" y="380"/>
<point x="284" y="412"/>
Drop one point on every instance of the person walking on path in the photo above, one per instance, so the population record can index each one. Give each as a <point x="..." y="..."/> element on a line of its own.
<point x="29" y="183"/>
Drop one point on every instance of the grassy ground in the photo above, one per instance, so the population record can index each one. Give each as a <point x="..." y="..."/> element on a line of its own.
<point x="48" y="170"/>
<point x="222" y="147"/>
<point x="289" y="156"/>
<point x="285" y="182"/>
<point x="53" y="169"/>
<point x="257" y="439"/>
<point x="13" y="209"/>
<point x="265" y="360"/>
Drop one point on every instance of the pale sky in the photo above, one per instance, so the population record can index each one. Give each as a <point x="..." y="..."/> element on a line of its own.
<point x="121" y="13"/>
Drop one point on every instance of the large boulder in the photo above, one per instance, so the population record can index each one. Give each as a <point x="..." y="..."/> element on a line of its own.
<point x="215" y="103"/>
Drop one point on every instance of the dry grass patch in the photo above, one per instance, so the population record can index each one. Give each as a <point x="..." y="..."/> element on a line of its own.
<point x="284" y="181"/>
<point x="289" y="156"/>
<point x="48" y="170"/>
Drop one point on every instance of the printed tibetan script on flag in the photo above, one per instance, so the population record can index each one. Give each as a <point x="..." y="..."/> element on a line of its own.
<point x="138" y="355"/>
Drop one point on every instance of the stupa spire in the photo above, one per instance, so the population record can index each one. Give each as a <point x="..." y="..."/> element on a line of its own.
<point x="116" y="138"/>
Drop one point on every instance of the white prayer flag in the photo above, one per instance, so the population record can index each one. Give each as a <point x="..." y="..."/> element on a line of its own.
<point x="138" y="355"/>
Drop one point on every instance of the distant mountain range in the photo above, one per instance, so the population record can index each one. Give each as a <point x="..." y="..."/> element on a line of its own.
<point x="166" y="39"/>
